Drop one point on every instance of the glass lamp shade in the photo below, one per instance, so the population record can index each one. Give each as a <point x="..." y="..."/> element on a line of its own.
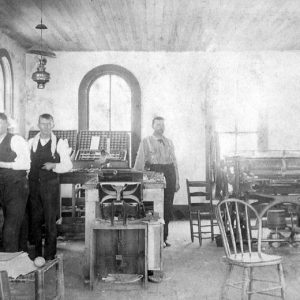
<point x="41" y="77"/>
<point x="41" y="50"/>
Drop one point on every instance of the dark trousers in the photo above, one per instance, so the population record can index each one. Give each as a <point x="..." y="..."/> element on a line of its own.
<point x="43" y="209"/>
<point x="169" y="191"/>
<point x="13" y="199"/>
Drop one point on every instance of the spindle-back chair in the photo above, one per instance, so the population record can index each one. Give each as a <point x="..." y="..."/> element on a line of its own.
<point x="243" y="249"/>
<point x="201" y="208"/>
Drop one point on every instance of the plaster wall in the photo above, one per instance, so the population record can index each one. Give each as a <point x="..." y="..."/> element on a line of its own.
<point x="18" y="59"/>
<point x="283" y="89"/>
<point x="176" y="86"/>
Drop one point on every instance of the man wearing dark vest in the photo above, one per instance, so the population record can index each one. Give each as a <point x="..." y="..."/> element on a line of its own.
<point x="14" y="161"/>
<point x="49" y="156"/>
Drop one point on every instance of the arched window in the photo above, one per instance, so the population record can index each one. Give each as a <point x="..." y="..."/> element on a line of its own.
<point x="6" y="84"/>
<point x="110" y="99"/>
<point x="2" y="90"/>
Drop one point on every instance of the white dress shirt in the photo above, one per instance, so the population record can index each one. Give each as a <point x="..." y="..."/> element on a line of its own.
<point x="65" y="164"/>
<point x="155" y="150"/>
<point x="20" y="147"/>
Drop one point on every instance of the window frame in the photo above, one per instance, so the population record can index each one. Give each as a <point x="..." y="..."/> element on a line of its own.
<point x="261" y="133"/>
<point x="236" y="133"/>
<point x="130" y="79"/>
<point x="7" y="71"/>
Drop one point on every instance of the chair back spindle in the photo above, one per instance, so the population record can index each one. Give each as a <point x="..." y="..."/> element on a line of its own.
<point x="234" y="219"/>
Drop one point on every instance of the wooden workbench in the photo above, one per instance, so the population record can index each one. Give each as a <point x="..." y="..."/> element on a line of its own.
<point x="152" y="192"/>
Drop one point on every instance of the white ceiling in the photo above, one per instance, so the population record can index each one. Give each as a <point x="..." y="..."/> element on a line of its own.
<point x="155" y="25"/>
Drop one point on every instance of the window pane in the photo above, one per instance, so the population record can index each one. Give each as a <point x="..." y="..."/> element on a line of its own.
<point x="247" y="117"/>
<point x="99" y="104"/>
<point x="247" y="141"/>
<point x="227" y="144"/>
<point x="225" y="124"/>
<point x="101" y="96"/>
<point x="242" y="114"/>
<point x="8" y="93"/>
<point x="224" y="115"/>
<point x="120" y="104"/>
<point x="1" y="90"/>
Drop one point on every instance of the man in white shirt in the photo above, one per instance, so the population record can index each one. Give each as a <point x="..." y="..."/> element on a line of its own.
<point x="49" y="157"/>
<point x="156" y="153"/>
<point x="14" y="161"/>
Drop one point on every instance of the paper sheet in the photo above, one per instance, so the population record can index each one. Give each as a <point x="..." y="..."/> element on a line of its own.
<point x="95" y="142"/>
<point x="108" y="145"/>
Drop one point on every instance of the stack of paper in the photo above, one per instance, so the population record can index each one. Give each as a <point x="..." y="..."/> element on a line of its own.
<point x="16" y="263"/>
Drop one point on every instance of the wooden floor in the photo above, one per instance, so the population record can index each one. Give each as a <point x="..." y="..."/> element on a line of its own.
<point x="191" y="272"/>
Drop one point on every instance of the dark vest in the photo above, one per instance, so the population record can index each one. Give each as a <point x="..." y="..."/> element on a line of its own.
<point x="39" y="158"/>
<point x="8" y="155"/>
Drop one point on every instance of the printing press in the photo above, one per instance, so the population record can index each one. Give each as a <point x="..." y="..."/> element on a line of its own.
<point x="123" y="208"/>
<point x="272" y="180"/>
<point x="270" y="172"/>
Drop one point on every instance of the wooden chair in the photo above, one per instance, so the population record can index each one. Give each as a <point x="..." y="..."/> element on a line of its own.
<point x="201" y="210"/>
<point x="233" y="217"/>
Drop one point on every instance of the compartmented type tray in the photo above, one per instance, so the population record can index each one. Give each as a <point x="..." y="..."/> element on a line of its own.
<point x="118" y="143"/>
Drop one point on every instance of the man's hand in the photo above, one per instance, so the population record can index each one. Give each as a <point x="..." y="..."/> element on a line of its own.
<point x="48" y="166"/>
<point x="177" y="187"/>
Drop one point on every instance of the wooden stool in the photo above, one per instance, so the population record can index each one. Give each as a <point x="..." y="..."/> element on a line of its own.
<point x="4" y="286"/>
<point x="38" y="278"/>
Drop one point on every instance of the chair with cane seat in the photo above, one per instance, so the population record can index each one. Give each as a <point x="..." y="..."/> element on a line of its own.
<point x="201" y="208"/>
<point x="234" y="221"/>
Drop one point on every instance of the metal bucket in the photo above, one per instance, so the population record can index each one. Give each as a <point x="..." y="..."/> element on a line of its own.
<point x="276" y="219"/>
